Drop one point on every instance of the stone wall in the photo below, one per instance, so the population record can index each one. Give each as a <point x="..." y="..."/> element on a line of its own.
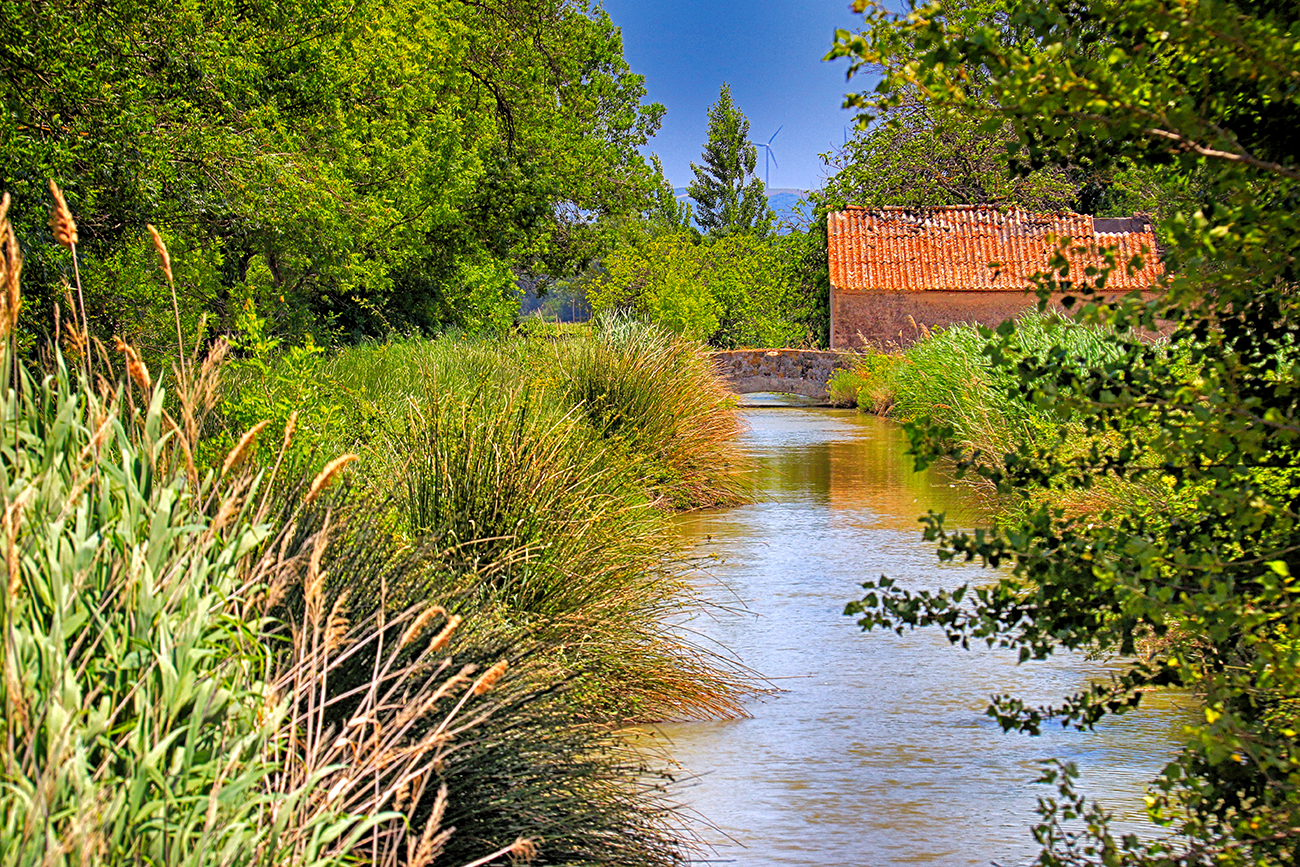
<point x="787" y="371"/>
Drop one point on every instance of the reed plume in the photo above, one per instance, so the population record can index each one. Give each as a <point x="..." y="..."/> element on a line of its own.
<point x="327" y="475"/>
<point x="65" y="228"/>
<point x="65" y="232"/>
<point x="444" y="635"/>
<point x="134" y="366"/>
<point x="11" y="267"/>
<point x="420" y="624"/>
<point x="489" y="678"/>
<point x="166" y="260"/>
<point x="243" y="447"/>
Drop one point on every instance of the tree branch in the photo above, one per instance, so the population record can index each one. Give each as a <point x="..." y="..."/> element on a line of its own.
<point x="1276" y="168"/>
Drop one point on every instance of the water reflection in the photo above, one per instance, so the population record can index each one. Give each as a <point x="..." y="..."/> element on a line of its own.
<point x="877" y="749"/>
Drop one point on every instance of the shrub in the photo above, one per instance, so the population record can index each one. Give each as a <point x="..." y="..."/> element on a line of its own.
<point x="730" y="291"/>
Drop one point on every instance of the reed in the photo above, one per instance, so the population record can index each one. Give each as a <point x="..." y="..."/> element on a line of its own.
<point x="949" y="379"/>
<point x="545" y="472"/>
<point x="656" y="398"/>
<point x="245" y="665"/>
<point x="557" y="520"/>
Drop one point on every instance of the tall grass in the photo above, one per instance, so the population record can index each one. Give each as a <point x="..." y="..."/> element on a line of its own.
<point x="656" y="397"/>
<point x="147" y="718"/>
<point x="545" y="470"/>
<point x="949" y="379"/>
<point x="242" y="660"/>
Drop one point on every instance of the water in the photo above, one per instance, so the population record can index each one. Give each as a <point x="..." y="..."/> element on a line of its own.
<point x="876" y="750"/>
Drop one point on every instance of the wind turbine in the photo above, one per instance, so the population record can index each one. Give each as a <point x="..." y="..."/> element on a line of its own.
<point x="770" y="156"/>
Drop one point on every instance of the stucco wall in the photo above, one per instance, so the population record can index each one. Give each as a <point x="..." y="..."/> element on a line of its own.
<point x="891" y="320"/>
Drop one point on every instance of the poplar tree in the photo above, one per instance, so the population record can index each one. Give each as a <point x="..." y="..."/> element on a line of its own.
<point x="728" y="194"/>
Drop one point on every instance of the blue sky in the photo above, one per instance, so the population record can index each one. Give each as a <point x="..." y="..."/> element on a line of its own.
<point x="769" y="51"/>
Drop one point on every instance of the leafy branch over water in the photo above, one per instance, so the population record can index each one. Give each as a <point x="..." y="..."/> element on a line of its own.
<point x="1198" y="558"/>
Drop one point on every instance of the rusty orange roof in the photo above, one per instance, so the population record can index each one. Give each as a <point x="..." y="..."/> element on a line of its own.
<point x="955" y="248"/>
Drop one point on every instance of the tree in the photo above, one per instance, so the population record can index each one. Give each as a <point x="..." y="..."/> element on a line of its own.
<point x="1202" y="563"/>
<point x="917" y="153"/>
<point x="350" y="169"/>
<point x="729" y="196"/>
<point x="668" y="212"/>
<point x="729" y="291"/>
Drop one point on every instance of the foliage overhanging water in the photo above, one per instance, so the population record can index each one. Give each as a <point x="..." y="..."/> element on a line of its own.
<point x="876" y="749"/>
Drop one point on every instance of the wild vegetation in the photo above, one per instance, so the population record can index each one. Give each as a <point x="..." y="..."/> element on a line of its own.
<point x="946" y="379"/>
<point x="718" y="272"/>
<point x="343" y="171"/>
<point x="230" y="640"/>
<point x="1202" y="93"/>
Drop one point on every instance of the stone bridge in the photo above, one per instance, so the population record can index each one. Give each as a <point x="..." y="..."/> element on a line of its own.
<point x="787" y="371"/>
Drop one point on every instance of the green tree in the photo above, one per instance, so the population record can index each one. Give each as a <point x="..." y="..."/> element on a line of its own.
<point x="729" y="291"/>
<point x="728" y="194"/>
<point x="668" y="211"/>
<point x="352" y="169"/>
<point x="918" y="153"/>
<point x="1201" y="564"/>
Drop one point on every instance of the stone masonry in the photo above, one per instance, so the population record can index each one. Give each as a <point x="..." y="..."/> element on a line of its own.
<point x="787" y="371"/>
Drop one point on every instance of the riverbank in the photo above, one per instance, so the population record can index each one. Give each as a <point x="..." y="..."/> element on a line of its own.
<point x="948" y="381"/>
<point x="394" y="604"/>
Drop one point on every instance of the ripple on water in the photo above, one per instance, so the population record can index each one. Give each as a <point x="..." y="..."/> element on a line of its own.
<point x="876" y="750"/>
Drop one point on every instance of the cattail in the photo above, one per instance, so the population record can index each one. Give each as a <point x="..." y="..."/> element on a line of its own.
<point x="327" y="475"/>
<point x="134" y="366"/>
<point x="242" y="448"/>
<point x="489" y="678"/>
<point x="162" y="252"/>
<point x="440" y="640"/>
<point x="65" y="228"/>
<point x="419" y="624"/>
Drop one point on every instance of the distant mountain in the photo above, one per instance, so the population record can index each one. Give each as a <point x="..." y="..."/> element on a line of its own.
<point x="787" y="204"/>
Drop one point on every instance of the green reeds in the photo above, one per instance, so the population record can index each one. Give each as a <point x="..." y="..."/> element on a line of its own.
<point x="137" y="726"/>
<point x="949" y="379"/>
<point x="248" y="663"/>
<point x="655" y="396"/>
<point x="544" y="470"/>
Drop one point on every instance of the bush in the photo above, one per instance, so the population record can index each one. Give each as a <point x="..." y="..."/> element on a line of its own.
<point x="729" y="292"/>
<point x="239" y="662"/>
<point x="552" y="462"/>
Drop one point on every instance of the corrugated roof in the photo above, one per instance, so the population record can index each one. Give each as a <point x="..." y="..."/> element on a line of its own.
<point x="953" y="249"/>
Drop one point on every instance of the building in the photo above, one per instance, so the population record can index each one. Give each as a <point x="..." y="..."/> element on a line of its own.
<point x="894" y="271"/>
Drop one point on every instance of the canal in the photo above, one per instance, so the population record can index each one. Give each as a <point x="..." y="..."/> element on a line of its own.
<point x="875" y="748"/>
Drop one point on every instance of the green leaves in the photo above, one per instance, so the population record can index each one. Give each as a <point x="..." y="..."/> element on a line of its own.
<point x="353" y="170"/>
<point x="729" y="196"/>
<point x="1192" y="563"/>
<point x="730" y="291"/>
